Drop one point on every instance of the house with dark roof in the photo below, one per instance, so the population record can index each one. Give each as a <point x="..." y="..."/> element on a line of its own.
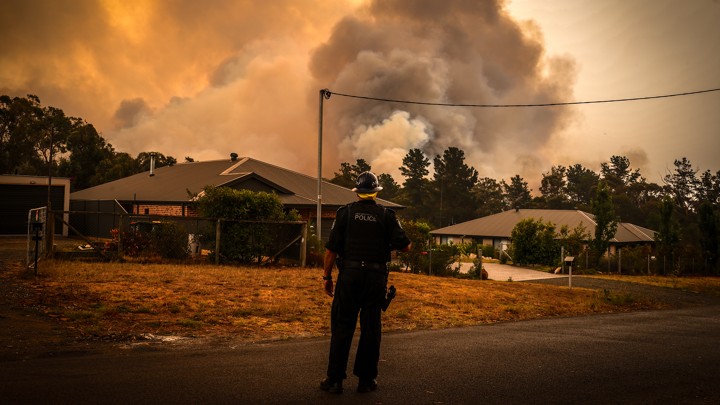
<point x="170" y="190"/>
<point x="496" y="229"/>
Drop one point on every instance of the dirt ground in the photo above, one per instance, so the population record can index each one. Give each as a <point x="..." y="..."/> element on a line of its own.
<point x="26" y="331"/>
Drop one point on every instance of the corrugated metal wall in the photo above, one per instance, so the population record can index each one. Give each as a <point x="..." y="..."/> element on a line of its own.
<point x="17" y="199"/>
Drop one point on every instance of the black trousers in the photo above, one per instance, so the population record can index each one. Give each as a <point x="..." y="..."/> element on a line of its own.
<point x="362" y="292"/>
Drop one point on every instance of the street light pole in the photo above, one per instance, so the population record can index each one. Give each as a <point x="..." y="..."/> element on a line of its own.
<point x="324" y="94"/>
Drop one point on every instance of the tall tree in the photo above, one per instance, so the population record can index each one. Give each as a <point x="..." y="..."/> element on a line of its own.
<point x="416" y="186"/>
<point x="453" y="181"/>
<point x="39" y="140"/>
<point x="348" y="173"/>
<point x="605" y="220"/>
<point x="668" y="234"/>
<point x="628" y="188"/>
<point x="517" y="193"/>
<point x="709" y="188"/>
<point x="618" y="174"/>
<point x="682" y="184"/>
<point x="581" y="185"/>
<point x="490" y="197"/>
<point x="391" y="188"/>
<point x="143" y="160"/>
<point x="709" y="224"/>
<point x="118" y="166"/>
<point x="18" y="135"/>
<point x="54" y="128"/>
<point x="553" y="187"/>
<point x="86" y="149"/>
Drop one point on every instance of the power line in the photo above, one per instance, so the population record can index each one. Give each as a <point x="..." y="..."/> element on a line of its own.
<point x="328" y="93"/>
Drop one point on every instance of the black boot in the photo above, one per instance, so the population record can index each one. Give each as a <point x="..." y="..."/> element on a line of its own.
<point x="367" y="385"/>
<point x="331" y="386"/>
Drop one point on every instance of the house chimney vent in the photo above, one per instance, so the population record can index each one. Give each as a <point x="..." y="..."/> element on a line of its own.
<point x="233" y="157"/>
<point x="152" y="164"/>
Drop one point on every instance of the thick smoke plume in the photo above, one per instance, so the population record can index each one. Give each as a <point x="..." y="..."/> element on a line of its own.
<point x="204" y="79"/>
<point x="458" y="52"/>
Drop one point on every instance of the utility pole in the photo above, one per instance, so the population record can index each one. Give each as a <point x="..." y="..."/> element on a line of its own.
<point x="49" y="217"/>
<point x="324" y="94"/>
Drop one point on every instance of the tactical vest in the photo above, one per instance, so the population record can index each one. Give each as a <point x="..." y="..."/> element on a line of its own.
<point x="366" y="233"/>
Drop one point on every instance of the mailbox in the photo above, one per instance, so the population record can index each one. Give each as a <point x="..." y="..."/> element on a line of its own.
<point x="37" y="227"/>
<point x="569" y="260"/>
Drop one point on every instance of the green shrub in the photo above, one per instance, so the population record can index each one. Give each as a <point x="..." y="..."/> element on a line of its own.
<point x="534" y="243"/>
<point x="488" y="251"/>
<point x="243" y="241"/>
<point x="169" y="240"/>
<point x="417" y="258"/>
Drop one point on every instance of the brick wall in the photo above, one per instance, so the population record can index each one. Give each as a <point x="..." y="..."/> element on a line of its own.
<point x="168" y="210"/>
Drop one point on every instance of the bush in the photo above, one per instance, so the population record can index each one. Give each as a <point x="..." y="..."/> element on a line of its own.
<point x="475" y="272"/>
<point x="442" y="257"/>
<point x="231" y="204"/>
<point x="417" y="258"/>
<point x="503" y="258"/>
<point x="169" y="240"/>
<point x="488" y="251"/>
<point x="534" y="243"/>
<point x="244" y="242"/>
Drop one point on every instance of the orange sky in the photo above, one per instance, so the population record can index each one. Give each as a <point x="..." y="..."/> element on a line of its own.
<point x="204" y="79"/>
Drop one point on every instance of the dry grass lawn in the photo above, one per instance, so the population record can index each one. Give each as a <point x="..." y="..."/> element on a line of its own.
<point x="130" y="300"/>
<point x="703" y="285"/>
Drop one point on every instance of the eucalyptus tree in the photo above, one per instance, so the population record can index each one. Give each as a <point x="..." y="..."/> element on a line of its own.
<point x="18" y="137"/>
<point x="85" y="149"/>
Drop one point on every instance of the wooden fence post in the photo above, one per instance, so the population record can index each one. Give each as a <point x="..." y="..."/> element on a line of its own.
<point x="218" y="234"/>
<point x="303" y="245"/>
<point x="120" y="236"/>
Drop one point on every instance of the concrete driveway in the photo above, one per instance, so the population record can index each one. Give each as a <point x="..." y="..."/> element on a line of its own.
<point x="504" y="272"/>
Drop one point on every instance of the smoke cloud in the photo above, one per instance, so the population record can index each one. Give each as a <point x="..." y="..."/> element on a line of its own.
<point x="204" y="79"/>
<point x="458" y="52"/>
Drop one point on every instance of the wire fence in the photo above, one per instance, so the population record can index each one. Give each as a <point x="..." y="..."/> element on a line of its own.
<point x="113" y="235"/>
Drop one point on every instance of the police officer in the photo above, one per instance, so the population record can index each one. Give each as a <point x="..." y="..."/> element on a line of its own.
<point x="362" y="237"/>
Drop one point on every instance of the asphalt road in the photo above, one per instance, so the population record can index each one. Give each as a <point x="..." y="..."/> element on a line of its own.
<point x="662" y="357"/>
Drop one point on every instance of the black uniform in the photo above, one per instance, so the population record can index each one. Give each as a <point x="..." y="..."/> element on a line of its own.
<point x="363" y="236"/>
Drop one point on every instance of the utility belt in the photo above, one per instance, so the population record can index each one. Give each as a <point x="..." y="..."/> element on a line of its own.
<point x="378" y="267"/>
